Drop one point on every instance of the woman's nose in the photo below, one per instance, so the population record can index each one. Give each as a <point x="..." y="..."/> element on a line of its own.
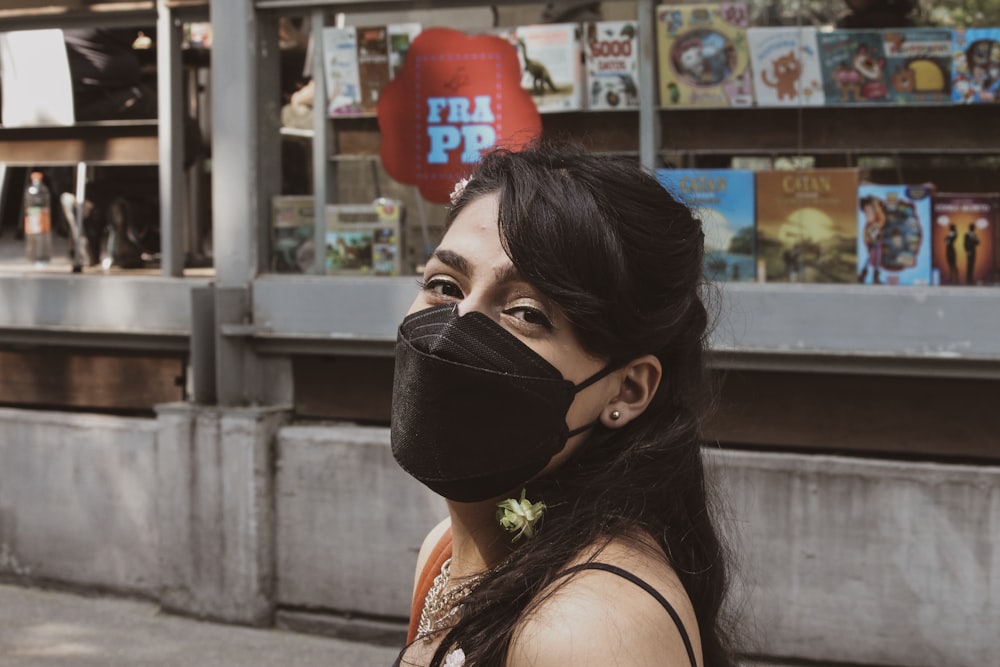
<point x="473" y="301"/>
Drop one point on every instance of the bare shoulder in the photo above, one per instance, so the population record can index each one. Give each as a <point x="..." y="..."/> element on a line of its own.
<point x="600" y="618"/>
<point x="428" y="545"/>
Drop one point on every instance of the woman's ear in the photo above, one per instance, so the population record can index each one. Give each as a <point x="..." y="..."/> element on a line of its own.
<point x="640" y="379"/>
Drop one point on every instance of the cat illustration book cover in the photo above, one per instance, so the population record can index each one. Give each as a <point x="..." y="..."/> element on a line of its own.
<point x="807" y="225"/>
<point x="611" y="53"/>
<point x="723" y="199"/>
<point x="785" y="66"/>
<point x="703" y="55"/>
<point x="894" y="229"/>
<point x="964" y="238"/>
<point x="550" y="65"/>
<point x="975" y="77"/>
<point x="918" y="64"/>
<point x="854" y="67"/>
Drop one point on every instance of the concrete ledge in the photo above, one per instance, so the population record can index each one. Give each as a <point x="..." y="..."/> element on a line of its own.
<point x="75" y="500"/>
<point x="349" y="628"/>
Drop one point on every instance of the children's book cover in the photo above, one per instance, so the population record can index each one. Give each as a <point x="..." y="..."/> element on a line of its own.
<point x="723" y="199"/>
<point x="807" y="225"/>
<point x="853" y="65"/>
<point x="373" y="63"/>
<point x="293" y="247"/>
<point x="551" y="70"/>
<point x="894" y="230"/>
<point x="975" y="77"/>
<point x="785" y="66"/>
<point x="400" y="36"/>
<point x="703" y="55"/>
<point x="343" y="80"/>
<point x="964" y="237"/>
<point x="611" y="52"/>
<point x="918" y="64"/>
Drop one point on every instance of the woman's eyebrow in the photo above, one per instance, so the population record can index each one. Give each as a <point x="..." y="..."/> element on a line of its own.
<point x="452" y="260"/>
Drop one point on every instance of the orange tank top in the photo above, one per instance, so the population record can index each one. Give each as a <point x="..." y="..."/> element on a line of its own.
<point x="432" y="567"/>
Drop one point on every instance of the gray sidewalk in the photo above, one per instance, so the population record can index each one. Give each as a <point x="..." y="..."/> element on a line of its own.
<point x="45" y="629"/>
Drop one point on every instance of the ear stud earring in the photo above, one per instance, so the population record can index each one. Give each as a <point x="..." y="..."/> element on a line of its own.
<point x="615" y="415"/>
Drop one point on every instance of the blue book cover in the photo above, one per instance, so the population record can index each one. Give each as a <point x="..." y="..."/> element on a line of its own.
<point x="723" y="199"/>
<point x="975" y="77"/>
<point x="894" y="234"/>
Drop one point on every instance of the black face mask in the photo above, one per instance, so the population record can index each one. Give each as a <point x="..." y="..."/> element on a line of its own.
<point x="475" y="412"/>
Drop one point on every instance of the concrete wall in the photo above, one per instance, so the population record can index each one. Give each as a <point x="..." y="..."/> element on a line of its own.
<point x="867" y="561"/>
<point x="349" y="521"/>
<point x="232" y="514"/>
<point x="76" y="499"/>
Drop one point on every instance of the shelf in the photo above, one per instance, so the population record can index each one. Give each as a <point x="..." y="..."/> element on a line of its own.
<point x="919" y="331"/>
<point x="134" y="312"/>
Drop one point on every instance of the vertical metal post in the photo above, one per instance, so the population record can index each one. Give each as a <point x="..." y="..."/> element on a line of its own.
<point x="319" y="145"/>
<point x="649" y="115"/>
<point x="170" y="114"/>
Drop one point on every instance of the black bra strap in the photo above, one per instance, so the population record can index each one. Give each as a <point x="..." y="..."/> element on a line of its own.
<point x="625" y="574"/>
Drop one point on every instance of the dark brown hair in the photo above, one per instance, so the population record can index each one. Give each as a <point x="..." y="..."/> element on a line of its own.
<point x="623" y="259"/>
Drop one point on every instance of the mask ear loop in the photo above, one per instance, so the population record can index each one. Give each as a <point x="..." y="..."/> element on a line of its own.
<point x="604" y="372"/>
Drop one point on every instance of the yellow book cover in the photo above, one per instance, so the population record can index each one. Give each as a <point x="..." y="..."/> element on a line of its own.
<point x="704" y="59"/>
<point x="807" y="225"/>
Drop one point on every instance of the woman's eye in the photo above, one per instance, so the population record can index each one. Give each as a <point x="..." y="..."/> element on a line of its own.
<point x="443" y="287"/>
<point x="530" y="316"/>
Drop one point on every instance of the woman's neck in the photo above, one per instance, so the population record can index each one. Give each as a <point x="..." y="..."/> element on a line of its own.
<point x="478" y="541"/>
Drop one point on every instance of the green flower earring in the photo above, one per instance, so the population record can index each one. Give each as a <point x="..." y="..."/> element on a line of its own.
<point x="519" y="516"/>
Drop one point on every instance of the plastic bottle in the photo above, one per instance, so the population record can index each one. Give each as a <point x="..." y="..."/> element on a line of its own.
<point x="37" y="220"/>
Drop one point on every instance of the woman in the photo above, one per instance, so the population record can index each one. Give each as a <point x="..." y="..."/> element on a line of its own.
<point x="552" y="364"/>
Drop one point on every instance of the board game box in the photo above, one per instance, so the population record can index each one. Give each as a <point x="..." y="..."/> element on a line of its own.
<point x="703" y="55"/>
<point x="975" y="75"/>
<point x="611" y="54"/>
<point x="807" y="225"/>
<point x="551" y="70"/>
<point x="785" y="66"/>
<point x="723" y="199"/>
<point x="894" y="229"/>
<point x="964" y="238"/>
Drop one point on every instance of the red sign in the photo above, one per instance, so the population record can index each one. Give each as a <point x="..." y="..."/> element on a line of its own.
<point x="456" y="96"/>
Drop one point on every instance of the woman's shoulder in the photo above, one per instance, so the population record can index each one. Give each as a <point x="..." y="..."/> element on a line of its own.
<point x="430" y="542"/>
<point x="602" y="615"/>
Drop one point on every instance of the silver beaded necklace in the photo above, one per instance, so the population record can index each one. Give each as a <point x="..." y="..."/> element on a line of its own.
<point x="441" y="605"/>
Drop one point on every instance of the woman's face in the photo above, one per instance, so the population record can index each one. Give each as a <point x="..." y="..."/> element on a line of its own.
<point x="471" y="269"/>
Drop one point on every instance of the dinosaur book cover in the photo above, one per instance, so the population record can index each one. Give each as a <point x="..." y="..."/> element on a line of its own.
<point x="918" y="64"/>
<point x="703" y="55"/>
<point x="807" y="225"/>
<point x="551" y="70"/>
<point x="964" y="238"/>
<point x="854" y="67"/>
<point x="785" y="66"/>
<point x="723" y="199"/>
<point x="975" y="77"/>
<point x="611" y="53"/>
<point x="894" y="229"/>
<point x="400" y="36"/>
